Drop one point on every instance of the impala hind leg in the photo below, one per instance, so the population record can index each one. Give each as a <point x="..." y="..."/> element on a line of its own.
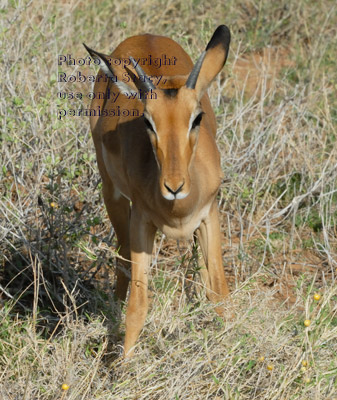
<point x="118" y="208"/>
<point x="202" y="268"/>
<point x="210" y="242"/>
<point x="142" y="237"/>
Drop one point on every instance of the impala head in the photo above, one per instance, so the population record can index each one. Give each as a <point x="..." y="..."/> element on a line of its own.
<point x="173" y="119"/>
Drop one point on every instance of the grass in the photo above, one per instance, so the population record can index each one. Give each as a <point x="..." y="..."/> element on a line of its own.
<point x="276" y="109"/>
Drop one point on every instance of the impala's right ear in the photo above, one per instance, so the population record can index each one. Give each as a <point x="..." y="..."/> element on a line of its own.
<point x="210" y="62"/>
<point x="107" y="69"/>
<point x="104" y="62"/>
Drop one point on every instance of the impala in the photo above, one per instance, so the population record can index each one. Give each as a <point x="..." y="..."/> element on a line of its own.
<point x="158" y="159"/>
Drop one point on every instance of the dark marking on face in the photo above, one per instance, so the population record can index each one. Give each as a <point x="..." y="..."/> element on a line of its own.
<point x="170" y="92"/>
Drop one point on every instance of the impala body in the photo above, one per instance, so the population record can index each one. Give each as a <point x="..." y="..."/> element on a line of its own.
<point x="158" y="159"/>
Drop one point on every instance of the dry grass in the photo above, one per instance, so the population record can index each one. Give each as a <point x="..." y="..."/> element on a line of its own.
<point x="276" y="109"/>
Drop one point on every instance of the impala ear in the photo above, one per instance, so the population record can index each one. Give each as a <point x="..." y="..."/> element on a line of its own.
<point x="210" y="62"/>
<point x="108" y="70"/>
<point x="104" y="61"/>
<point x="142" y="81"/>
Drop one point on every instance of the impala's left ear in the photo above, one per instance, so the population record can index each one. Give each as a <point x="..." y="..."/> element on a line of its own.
<point x="210" y="62"/>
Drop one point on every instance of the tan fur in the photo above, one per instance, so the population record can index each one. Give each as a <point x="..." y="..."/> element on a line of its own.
<point x="139" y="165"/>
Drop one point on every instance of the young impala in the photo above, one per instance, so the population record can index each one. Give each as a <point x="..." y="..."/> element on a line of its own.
<point x="158" y="158"/>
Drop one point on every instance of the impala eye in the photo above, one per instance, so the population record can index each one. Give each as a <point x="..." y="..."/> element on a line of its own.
<point x="148" y="124"/>
<point x="197" y="121"/>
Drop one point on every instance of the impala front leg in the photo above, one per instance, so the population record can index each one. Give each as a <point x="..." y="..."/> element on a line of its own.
<point x="210" y="243"/>
<point x="141" y="240"/>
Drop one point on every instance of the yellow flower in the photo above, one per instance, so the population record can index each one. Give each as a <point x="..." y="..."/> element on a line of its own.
<point x="317" y="296"/>
<point x="307" y="322"/>
<point x="65" y="386"/>
<point x="270" y="367"/>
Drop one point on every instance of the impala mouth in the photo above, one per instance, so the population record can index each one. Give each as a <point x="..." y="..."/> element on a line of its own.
<point x="178" y="196"/>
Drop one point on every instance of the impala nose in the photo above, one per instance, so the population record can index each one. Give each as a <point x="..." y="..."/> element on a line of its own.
<point x="174" y="191"/>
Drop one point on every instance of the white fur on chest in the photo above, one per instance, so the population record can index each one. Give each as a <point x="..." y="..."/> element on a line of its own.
<point x="185" y="227"/>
